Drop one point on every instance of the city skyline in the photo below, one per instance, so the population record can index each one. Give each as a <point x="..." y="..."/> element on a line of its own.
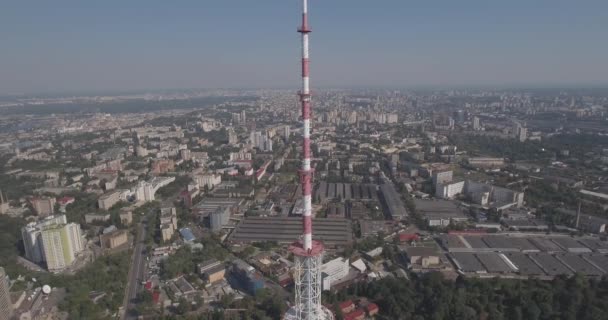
<point x="67" y="46"/>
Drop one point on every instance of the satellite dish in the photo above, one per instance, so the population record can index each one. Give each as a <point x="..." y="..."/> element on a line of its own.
<point x="46" y="289"/>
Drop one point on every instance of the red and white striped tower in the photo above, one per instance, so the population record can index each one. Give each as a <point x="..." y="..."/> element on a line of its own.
<point x="308" y="254"/>
<point x="306" y="172"/>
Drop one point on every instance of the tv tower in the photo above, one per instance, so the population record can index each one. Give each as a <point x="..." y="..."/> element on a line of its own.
<point x="308" y="253"/>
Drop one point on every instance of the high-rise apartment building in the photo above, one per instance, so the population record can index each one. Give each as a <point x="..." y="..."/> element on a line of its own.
<point x="32" y="240"/>
<point x="476" y="124"/>
<point x="6" y="306"/>
<point x="60" y="245"/>
<point x="233" y="138"/>
<point x="53" y="241"/>
<point x="4" y="206"/>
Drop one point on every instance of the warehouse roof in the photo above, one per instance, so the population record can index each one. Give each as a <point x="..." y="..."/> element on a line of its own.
<point x="287" y="230"/>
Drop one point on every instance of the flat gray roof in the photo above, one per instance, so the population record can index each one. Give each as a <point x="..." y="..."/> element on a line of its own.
<point x="578" y="264"/>
<point x="287" y="230"/>
<point x="392" y="202"/>
<point x="598" y="260"/>
<point x="595" y="244"/>
<point x="546" y="245"/>
<point x="568" y="243"/>
<point x="524" y="263"/>
<point x="551" y="265"/>
<point x="475" y="242"/>
<point x="468" y="262"/>
<point x="450" y="241"/>
<point x="513" y="243"/>
<point x="347" y="191"/>
<point x="493" y="262"/>
<point x="436" y="206"/>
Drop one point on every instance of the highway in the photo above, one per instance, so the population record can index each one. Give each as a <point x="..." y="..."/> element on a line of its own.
<point x="136" y="273"/>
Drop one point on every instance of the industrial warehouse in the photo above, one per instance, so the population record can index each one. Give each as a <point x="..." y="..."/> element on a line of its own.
<point x="346" y="191"/>
<point x="535" y="255"/>
<point x="333" y="232"/>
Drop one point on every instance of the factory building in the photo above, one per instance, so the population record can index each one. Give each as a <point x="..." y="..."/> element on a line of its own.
<point x="334" y="270"/>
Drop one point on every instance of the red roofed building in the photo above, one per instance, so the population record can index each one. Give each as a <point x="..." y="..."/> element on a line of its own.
<point x="65" y="201"/>
<point x="156" y="296"/>
<point x="408" y="237"/>
<point x="347" y="306"/>
<point x="358" y="314"/>
<point x="372" y="309"/>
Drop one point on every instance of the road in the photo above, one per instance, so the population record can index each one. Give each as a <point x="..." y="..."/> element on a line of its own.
<point x="136" y="273"/>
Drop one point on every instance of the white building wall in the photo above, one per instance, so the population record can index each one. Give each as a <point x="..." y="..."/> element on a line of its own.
<point x="336" y="269"/>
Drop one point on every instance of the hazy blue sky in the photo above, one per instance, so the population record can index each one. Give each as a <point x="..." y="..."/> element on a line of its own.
<point x="106" y="45"/>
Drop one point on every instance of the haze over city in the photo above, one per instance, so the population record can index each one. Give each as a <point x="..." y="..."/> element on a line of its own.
<point x="304" y="160"/>
<point x="76" y="46"/>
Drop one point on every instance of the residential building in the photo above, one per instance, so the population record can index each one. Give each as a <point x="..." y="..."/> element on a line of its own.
<point x="347" y="306"/>
<point x="485" y="162"/>
<point x="113" y="239"/>
<point x="168" y="222"/>
<point x="32" y="242"/>
<point x="261" y="141"/>
<point x="167" y="231"/>
<point x="6" y="305"/>
<point x="95" y="217"/>
<point x="60" y="244"/>
<point x="126" y="216"/>
<point x="233" y="138"/>
<point x="476" y="124"/>
<point x="108" y="200"/>
<point x="209" y="180"/>
<point x="43" y="206"/>
<point x="4" y="205"/>
<point x="162" y="166"/>
<point x="185" y="154"/>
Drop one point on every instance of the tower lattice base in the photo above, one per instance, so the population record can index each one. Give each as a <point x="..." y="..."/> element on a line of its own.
<point x="307" y="279"/>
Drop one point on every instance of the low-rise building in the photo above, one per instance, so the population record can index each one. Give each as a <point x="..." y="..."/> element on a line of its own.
<point x="95" y="217"/>
<point x="162" y="166"/>
<point x="486" y="162"/>
<point x="422" y="257"/>
<point x="43" y="206"/>
<point x="211" y="271"/>
<point x="440" y="213"/>
<point x="113" y="239"/>
<point x="333" y="271"/>
<point x="347" y="306"/>
<point x="126" y="216"/>
<point x="168" y="222"/>
<point x="108" y="200"/>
